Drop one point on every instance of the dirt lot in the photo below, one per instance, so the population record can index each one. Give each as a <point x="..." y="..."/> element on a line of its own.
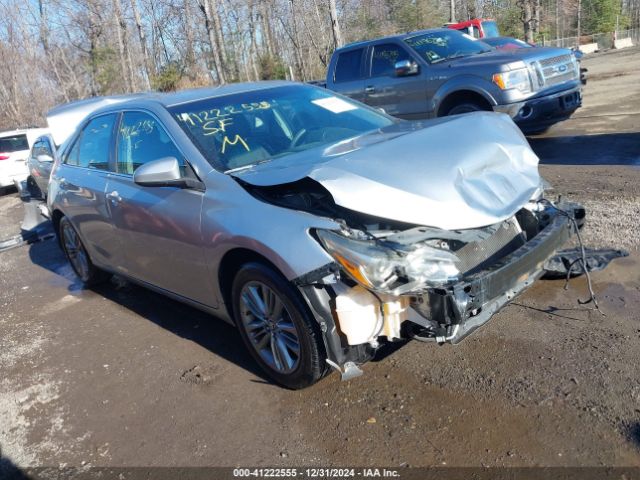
<point x="120" y="376"/>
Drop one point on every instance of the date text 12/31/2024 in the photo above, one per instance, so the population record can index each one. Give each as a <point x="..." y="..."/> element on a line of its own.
<point x="338" y="473"/>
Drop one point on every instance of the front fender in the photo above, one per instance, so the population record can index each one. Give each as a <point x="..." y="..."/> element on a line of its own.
<point x="467" y="83"/>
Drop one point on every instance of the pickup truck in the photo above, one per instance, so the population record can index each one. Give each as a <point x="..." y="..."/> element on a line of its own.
<point x="439" y="72"/>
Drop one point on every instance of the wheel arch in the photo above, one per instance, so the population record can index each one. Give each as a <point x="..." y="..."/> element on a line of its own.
<point x="229" y="265"/>
<point x="462" y="96"/>
<point x="56" y="216"/>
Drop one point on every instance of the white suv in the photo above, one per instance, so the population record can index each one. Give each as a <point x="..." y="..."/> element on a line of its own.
<point x="15" y="146"/>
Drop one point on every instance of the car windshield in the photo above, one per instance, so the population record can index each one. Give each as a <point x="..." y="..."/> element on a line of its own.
<point x="490" y="29"/>
<point x="505" y="42"/>
<point x="14" y="143"/>
<point x="439" y="46"/>
<point x="243" y="129"/>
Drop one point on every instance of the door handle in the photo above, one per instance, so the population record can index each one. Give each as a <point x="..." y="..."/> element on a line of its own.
<point x="63" y="182"/>
<point x="114" y="197"/>
<point x="370" y="89"/>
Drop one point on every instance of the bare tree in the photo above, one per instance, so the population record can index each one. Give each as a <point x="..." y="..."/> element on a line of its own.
<point x="335" y="24"/>
<point x="125" y="54"/>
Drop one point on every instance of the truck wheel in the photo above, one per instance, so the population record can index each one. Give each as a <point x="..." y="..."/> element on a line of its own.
<point x="276" y="327"/>
<point x="465" y="107"/>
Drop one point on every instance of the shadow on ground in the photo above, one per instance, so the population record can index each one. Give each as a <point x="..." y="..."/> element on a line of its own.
<point x="603" y="149"/>
<point x="10" y="471"/>
<point x="634" y="433"/>
<point x="212" y="333"/>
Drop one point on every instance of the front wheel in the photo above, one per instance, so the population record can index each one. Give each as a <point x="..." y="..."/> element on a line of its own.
<point x="77" y="254"/>
<point x="275" y="326"/>
<point x="466" y="107"/>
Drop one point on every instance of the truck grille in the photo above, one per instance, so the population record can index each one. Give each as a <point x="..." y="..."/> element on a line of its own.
<point x="555" y="70"/>
<point x="555" y="60"/>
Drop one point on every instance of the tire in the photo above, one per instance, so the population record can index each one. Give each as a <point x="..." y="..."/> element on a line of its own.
<point x="272" y="338"/>
<point x="77" y="255"/>
<point x="465" y="107"/>
<point x="536" y="131"/>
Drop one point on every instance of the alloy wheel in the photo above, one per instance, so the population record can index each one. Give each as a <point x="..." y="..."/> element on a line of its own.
<point x="269" y="326"/>
<point x="75" y="251"/>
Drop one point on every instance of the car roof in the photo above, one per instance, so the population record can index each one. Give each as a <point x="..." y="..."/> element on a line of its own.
<point x="64" y="119"/>
<point x="397" y="36"/>
<point x="191" y="95"/>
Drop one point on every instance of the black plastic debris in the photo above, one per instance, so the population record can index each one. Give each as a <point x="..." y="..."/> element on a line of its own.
<point x="569" y="262"/>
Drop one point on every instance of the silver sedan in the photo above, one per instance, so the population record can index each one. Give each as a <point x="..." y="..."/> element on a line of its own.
<point x="320" y="227"/>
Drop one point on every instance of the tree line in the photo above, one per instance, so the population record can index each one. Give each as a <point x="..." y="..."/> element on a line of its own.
<point x="56" y="51"/>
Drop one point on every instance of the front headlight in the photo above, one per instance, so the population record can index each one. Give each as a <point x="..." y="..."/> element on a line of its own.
<point x="387" y="270"/>
<point x="518" y="79"/>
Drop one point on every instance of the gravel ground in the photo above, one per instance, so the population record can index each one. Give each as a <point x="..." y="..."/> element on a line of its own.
<point x="611" y="197"/>
<point x="120" y="376"/>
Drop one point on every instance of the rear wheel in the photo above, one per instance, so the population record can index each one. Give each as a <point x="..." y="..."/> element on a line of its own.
<point x="77" y="254"/>
<point x="275" y="326"/>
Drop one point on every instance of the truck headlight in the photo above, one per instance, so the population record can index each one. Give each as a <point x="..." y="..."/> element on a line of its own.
<point x="518" y="79"/>
<point x="384" y="269"/>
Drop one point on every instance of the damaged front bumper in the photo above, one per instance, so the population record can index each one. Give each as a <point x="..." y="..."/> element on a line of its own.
<point x="354" y="320"/>
<point x="461" y="308"/>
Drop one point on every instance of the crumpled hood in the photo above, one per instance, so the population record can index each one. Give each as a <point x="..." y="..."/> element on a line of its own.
<point x="459" y="172"/>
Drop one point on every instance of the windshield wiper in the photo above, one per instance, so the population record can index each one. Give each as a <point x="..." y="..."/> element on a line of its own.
<point x="452" y="58"/>
<point x="247" y="167"/>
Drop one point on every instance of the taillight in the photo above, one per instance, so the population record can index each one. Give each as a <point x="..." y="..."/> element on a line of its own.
<point x="4" y="156"/>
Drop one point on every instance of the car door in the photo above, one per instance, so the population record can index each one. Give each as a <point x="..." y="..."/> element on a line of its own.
<point x="48" y="149"/>
<point x="41" y="161"/>
<point x="404" y="97"/>
<point x="82" y="178"/>
<point x="159" y="226"/>
<point x="348" y="73"/>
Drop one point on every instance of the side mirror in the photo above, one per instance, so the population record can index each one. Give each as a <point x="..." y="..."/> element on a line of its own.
<point x="43" y="157"/>
<point x="405" y="68"/>
<point x="164" y="172"/>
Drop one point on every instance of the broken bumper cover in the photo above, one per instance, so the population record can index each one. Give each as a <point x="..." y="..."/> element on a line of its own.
<point x="467" y="305"/>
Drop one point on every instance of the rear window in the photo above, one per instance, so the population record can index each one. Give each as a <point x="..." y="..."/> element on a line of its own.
<point x="14" y="143"/>
<point x="349" y="66"/>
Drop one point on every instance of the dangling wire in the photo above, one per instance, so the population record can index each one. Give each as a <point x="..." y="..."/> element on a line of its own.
<point x="582" y="259"/>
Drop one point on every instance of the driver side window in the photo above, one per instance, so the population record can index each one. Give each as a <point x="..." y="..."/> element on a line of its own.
<point x="142" y="139"/>
<point x="385" y="57"/>
<point x="42" y="147"/>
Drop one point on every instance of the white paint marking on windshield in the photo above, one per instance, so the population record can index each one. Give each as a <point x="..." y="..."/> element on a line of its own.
<point x="334" y="104"/>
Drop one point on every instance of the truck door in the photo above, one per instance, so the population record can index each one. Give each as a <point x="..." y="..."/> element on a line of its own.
<point x="404" y="97"/>
<point x="348" y="74"/>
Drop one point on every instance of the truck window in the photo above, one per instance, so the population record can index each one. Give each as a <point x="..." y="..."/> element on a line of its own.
<point x="349" y="66"/>
<point x="384" y="59"/>
<point x="439" y="46"/>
